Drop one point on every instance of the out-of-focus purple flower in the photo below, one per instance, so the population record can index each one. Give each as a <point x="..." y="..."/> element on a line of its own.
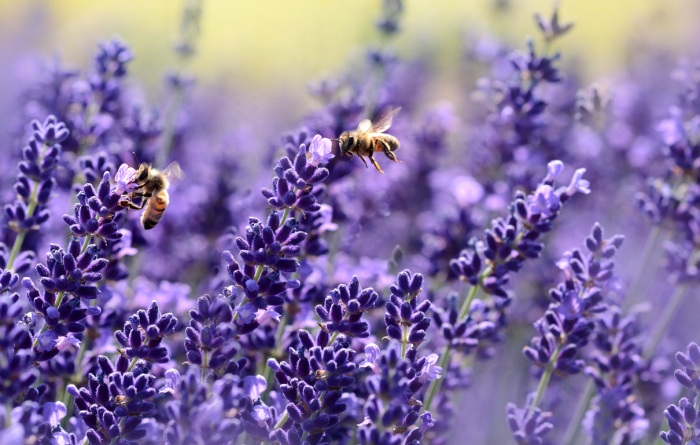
<point x="427" y="421"/>
<point x="430" y="370"/>
<point x="264" y="315"/>
<point x="578" y="184"/>
<point x="53" y="412"/>
<point x="246" y="313"/>
<point x="261" y="414"/>
<point x="326" y="219"/>
<point x="320" y="151"/>
<point x="171" y="378"/>
<point x="544" y="201"/>
<point x="551" y="28"/>
<point x="529" y="426"/>
<point x="65" y="342"/>
<point x="254" y="386"/>
<point x="197" y="415"/>
<point x="553" y="169"/>
<point x="371" y="356"/>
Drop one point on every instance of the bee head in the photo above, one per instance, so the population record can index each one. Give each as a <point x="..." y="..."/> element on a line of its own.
<point x="143" y="173"/>
<point x="345" y="143"/>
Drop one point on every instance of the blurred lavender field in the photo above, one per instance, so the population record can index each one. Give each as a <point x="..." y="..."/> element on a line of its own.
<point x="525" y="273"/>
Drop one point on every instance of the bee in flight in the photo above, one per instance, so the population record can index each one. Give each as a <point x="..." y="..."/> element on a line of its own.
<point x="370" y="138"/>
<point x="152" y="187"/>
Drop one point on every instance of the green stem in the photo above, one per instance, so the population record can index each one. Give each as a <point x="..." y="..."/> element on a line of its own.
<point x="333" y="337"/>
<point x="575" y="423"/>
<point x="86" y="243"/>
<point x="258" y="272"/>
<point x="633" y="295"/>
<point x="283" y="419"/>
<point x="544" y="380"/>
<point x="666" y="317"/>
<point x="16" y="248"/>
<point x="437" y="383"/>
<point x="8" y="416"/>
<point x="205" y="364"/>
<point x="464" y="311"/>
<point x="404" y="341"/>
<point x="31" y="208"/>
<point x="444" y="358"/>
<point x="19" y="240"/>
<point x="285" y="215"/>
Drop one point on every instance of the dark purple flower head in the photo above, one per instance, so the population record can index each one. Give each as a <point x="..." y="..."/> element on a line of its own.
<point x="111" y="63"/>
<point x="292" y="189"/>
<point x="683" y="423"/>
<point x="15" y="348"/>
<point x="143" y="334"/>
<point x="210" y="341"/>
<point x="405" y="316"/>
<point x="92" y="166"/>
<point x="115" y="401"/>
<point x="690" y="375"/>
<point x="391" y="13"/>
<point x="272" y="244"/>
<point x="94" y="214"/>
<point x="312" y="380"/>
<point x="512" y="240"/>
<point x="392" y="407"/>
<point x="344" y="307"/>
<point x="35" y="181"/>
<point x="112" y="58"/>
<point x="550" y="27"/>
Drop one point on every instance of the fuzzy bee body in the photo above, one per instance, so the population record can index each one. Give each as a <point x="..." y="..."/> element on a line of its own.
<point x="152" y="188"/>
<point x="370" y="138"/>
<point x="155" y="207"/>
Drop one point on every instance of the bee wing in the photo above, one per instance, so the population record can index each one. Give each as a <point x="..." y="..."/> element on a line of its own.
<point x="173" y="172"/>
<point x="384" y="122"/>
<point x="364" y="126"/>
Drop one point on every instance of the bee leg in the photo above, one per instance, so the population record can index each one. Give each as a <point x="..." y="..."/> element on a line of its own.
<point x="129" y="204"/>
<point x="371" y="158"/>
<point x="388" y="153"/>
<point x="363" y="160"/>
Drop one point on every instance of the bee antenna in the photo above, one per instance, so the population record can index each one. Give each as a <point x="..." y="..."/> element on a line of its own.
<point x="136" y="158"/>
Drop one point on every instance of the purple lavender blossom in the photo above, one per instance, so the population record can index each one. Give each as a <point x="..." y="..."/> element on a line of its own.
<point x="280" y="342"/>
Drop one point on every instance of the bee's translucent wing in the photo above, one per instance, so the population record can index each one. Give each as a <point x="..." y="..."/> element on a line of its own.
<point x="384" y="122"/>
<point x="364" y="126"/>
<point x="173" y="172"/>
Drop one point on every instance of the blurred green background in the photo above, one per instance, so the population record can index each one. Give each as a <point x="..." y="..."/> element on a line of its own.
<point x="280" y="45"/>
